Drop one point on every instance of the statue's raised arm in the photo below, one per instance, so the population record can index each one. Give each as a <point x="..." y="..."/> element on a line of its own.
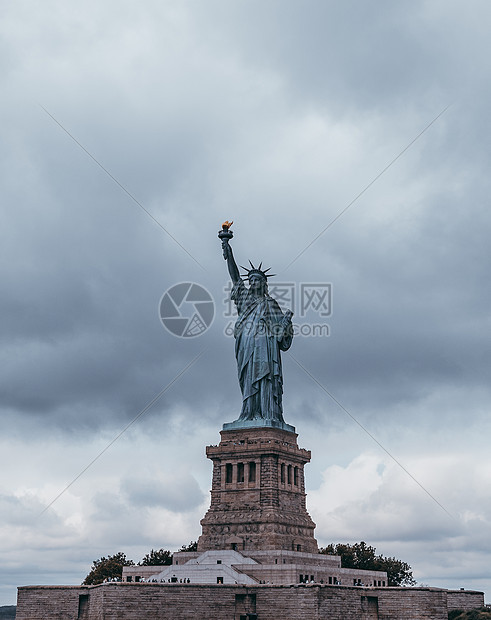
<point x="225" y="235"/>
<point x="261" y="332"/>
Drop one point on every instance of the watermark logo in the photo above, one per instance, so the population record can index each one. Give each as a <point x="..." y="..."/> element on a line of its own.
<point x="186" y="310"/>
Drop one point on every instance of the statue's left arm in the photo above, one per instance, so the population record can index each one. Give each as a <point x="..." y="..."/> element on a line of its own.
<point x="286" y="332"/>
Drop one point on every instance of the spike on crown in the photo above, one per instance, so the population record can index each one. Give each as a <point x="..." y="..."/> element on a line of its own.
<point x="257" y="271"/>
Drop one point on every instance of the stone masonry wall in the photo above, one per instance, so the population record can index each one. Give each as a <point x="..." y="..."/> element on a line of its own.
<point x="152" y="601"/>
<point x="49" y="602"/>
<point x="263" y="510"/>
<point x="412" y="603"/>
<point x="464" y="599"/>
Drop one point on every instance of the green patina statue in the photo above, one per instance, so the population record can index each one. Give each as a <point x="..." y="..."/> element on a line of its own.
<point x="262" y="330"/>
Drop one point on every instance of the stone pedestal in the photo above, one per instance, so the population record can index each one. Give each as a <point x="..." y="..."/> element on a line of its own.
<point x="258" y="493"/>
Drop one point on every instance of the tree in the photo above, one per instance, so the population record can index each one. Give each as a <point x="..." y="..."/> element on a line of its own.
<point x="112" y="566"/>
<point x="474" y="614"/>
<point x="193" y="546"/>
<point x="362" y="556"/>
<point x="107" y="568"/>
<point x="162" y="557"/>
<point x="398" y="573"/>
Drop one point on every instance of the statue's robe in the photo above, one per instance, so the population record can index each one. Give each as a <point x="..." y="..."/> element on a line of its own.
<point x="260" y="333"/>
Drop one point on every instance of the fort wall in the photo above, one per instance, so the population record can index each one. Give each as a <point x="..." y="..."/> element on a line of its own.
<point x="154" y="601"/>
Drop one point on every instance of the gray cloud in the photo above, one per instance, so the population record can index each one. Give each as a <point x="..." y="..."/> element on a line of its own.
<point x="177" y="492"/>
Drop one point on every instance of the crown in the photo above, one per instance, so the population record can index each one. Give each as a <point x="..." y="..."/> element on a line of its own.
<point x="257" y="271"/>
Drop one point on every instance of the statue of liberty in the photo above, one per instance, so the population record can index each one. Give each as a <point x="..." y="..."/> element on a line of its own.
<point x="262" y="330"/>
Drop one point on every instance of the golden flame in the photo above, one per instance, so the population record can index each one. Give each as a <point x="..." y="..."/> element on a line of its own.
<point x="226" y="225"/>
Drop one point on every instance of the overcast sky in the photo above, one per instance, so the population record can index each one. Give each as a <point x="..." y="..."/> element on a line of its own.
<point x="130" y="132"/>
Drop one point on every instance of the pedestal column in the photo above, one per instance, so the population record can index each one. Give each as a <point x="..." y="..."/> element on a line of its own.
<point x="258" y="493"/>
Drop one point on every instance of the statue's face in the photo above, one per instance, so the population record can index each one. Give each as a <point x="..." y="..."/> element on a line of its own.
<point x="258" y="284"/>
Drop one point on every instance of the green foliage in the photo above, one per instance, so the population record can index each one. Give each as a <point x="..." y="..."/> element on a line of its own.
<point x="398" y="573"/>
<point x="7" y="612"/>
<point x="162" y="557"/>
<point x="363" y="556"/>
<point x="193" y="546"/>
<point x="475" y="614"/>
<point x="107" y="568"/>
<point x="112" y="566"/>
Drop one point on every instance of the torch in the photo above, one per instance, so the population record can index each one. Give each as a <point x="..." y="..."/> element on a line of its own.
<point x="225" y="235"/>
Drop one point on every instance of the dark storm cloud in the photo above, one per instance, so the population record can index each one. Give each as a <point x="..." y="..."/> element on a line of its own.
<point x="64" y="348"/>
<point x="412" y="313"/>
<point x="79" y="327"/>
